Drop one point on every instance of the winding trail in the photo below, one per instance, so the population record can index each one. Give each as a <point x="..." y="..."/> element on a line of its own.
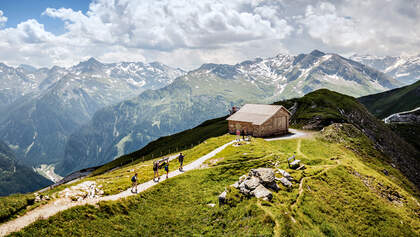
<point x="62" y="204"/>
<point x="293" y="206"/>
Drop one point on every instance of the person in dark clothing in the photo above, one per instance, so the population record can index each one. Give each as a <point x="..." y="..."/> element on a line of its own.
<point x="134" y="183"/>
<point x="243" y="135"/>
<point x="167" y="168"/>
<point x="156" y="170"/>
<point x="181" y="161"/>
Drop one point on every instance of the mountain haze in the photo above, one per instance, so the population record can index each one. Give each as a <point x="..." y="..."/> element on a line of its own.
<point x="60" y="100"/>
<point x="17" y="178"/>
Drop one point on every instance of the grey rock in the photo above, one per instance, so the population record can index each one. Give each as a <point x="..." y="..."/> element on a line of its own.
<point x="262" y="192"/>
<point x="285" y="182"/>
<point x="285" y="174"/>
<point x="294" y="164"/>
<point x="242" y="178"/>
<point x="222" y="198"/>
<point x="252" y="183"/>
<point x="266" y="175"/>
<point x="273" y="186"/>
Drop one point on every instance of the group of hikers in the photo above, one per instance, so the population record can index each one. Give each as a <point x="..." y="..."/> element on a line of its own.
<point x="156" y="166"/>
<point x="242" y="133"/>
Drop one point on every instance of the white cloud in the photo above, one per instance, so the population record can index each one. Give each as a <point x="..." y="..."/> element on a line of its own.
<point x="3" y="19"/>
<point x="187" y="33"/>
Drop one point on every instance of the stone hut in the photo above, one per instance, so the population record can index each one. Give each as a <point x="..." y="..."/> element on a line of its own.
<point x="260" y="120"/>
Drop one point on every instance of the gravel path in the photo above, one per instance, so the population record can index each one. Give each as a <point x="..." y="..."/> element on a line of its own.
<point x="62" y="204"/>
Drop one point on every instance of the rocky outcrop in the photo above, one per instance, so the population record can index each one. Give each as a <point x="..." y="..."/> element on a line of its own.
<point x="258" y="183"/>
<point x="85" y="190"/>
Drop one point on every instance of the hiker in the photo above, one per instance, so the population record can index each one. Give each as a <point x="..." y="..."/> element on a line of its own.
<point x="167" y="168"/>
<point x="156" y="170"/>
<point x="181" y="161"/>
<point x="134" y="183"/>
<point x="243" y="134"/>
<point x="238" y="135"/>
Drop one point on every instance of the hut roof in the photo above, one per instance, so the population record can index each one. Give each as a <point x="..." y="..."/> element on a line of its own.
<point x="256" y="114"/>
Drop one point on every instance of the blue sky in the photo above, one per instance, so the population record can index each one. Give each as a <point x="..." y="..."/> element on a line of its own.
<point x="188" y="33"/>
<point x="21" y="10"/>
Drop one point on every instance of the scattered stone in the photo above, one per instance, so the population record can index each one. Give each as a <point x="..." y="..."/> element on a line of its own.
<point x="262" y="192"/>
<point x="85" y="190"/>
<point x="302" y="167"/>
<point x="285" y="174"/>
<point x="286" y="182"/>
<point x="222" y="198"/>
<point x="211" y="204"/>
<point x="294" y="164"/>
<point x="385" y="172"/>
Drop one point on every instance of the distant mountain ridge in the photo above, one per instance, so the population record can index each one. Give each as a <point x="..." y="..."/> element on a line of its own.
<point x="52" y="103"/>
<point x="405" y="69"/>
<point x="208" y="92"/>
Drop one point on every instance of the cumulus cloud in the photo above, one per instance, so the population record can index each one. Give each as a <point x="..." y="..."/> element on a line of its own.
<point x="3" y="19"/>
<point x="187" y="33"/>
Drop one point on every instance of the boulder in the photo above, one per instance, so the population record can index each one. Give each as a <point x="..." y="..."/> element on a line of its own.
<point x="285" y="174"/>
<point x="262" y="192"/>
<point x="242" y="178"/>
<point x="266" y="175"/>
<point x="286" y="182"/>
<point x="222" y="198"/>
<point x="243" y="189"/>
<point x="272" y="186"/>
<point x="294" y="164"/>
<point x="252" y="183"/>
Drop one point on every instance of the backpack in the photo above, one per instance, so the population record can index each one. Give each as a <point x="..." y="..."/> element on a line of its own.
<point x="133" y="179"/>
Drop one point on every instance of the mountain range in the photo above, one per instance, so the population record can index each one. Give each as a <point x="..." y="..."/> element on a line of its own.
<point x="405" y="69"/>
<point x="209" y="92"/>
<point x="42" y="107"/>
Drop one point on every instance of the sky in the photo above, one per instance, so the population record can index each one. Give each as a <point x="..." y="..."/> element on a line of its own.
<point x="188" y="33"/>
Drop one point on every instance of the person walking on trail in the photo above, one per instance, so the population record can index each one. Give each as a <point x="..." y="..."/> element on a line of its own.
<point x="134" y="183"/>
<point x="167" y="168"/>
<point x="238" y="135"/>
<point x="156" y="170"/>
<point x="181" y="161"/>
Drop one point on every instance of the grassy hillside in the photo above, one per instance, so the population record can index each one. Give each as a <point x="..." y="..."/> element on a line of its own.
<point x="323" y="107"/>
<point x="14" y="204"/>
<point x="393" y="101"/>
<point x="343" y="192"/>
